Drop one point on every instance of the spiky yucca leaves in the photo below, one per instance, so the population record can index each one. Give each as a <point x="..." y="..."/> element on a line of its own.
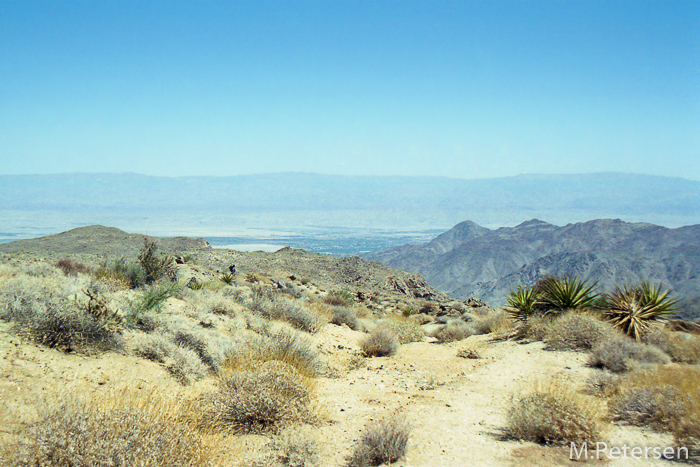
<point x="227" y="278"/>
<point x="522" y="303"/>
<point x="633" y="308"/>
<point x="566" y="294"/>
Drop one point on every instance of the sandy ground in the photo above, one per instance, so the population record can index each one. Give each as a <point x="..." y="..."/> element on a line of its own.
<point x="456" y="406"/>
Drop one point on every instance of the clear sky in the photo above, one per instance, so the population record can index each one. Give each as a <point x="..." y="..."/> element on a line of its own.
<point x="470" y="88"/>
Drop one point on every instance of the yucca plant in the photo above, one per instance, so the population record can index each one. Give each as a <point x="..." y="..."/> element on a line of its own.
<point x="227" y="278"/>
<point x="522" y="303"/>
<point x="633" y="308"/>
<point x="567" y="293"/>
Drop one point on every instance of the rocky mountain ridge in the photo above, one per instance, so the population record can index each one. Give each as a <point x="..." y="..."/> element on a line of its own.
<point x="470" y="260"/>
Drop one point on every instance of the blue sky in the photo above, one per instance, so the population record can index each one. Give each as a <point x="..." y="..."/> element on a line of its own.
<point x="468" y="89"/>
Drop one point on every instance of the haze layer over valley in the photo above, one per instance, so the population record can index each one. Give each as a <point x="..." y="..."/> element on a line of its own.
<point x="277" y="208"/>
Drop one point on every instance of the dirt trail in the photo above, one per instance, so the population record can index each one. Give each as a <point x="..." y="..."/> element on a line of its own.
<point x="457" y="406"/>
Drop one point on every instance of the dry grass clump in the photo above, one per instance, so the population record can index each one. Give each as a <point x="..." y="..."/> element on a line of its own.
<point x="536" y="327"/>
<point x="454" y="330"/>
<point x="336" y="301"/>
<point x="603" y="383"/>
<point x="342" y="315"/>
<point x="259" y="397"/>
<point x="494" y="321"/>
<point x="181" y="361"/>
<point x="382" y="442"/>
<point x="656" y="406"/>
<point x="280" y="345"/>
<point x="293" y="447"/>
<point x="269" y="305"/>
<point x="620" y="354"/>
<point x="405" y="329"/>
<point x="72" y="268"/>
<point x="681" y="347"/>
<point x="577" y="331"/>
<point x="381" y="342"/>
<point x="147" y="430"/>
<point x="666" y="397"/>
<point x="43" y="313"/>
<point x="554" y="414"/>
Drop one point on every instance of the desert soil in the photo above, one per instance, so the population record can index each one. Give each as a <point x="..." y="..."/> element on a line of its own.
<point x="456" y="406"/>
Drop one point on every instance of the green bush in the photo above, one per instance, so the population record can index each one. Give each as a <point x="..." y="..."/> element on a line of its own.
<point x="155" y="267"/>
<point x="152" y="299"/>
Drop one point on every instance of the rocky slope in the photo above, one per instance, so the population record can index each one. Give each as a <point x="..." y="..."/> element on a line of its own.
<point x="472" y="260"/>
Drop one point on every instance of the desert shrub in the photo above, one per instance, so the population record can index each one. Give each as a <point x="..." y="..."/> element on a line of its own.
<point x="381" y="342"/>
<point x="553" y="414"/>
<point x="342" y="315"/>
<point x="269" y="305"/>
<point x="577" y="331"/>
<point x="129" y="274"/>
<point x="258" y="397"/>
<point x="280" y="345"/>
<point x="39" y="269"/>
<point x="656" y="406"/>
<point x="119" y="433"/>
<point x="677" y="408"/>
<point x="454" y="330"/>
<point x="336" y="301"/>
<point x="681" y="347"/>
<point x="406" y="330"/>
<point x="344" y="295"/>
<point x="603" y="383"/>
<point x="429" y="308"/>
<point x="633" y="308"/>
<point x="252" y="278"/>
<point x="152" y="299"/>
<point x="46" y="317"/>
<point x="72" y="268"/>
<point x="494" y="321"/>
<point x="536" y="327"/>
<point x="183" y="363"/>
<point x="382" y="442"/>
<point x="620" y="354"/>
<point x="155" y="267"/>
<point x="193" y="342"/>
<point x="293" y="447"/>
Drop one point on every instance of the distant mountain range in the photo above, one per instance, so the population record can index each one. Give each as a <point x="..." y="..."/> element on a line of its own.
<point x="470" y="260"/>
<point x="33" y="205"/>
